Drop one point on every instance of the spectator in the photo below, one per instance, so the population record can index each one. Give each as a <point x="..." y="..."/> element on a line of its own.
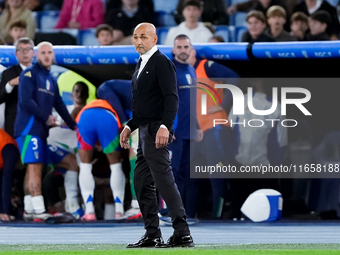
<point x="18" y="30"/>
<point x="191" y="27"/>
<point x="258" y="5"/>
<point x="43" y="5"/>
<point x="318" y="23"/>
<point x="10" y="80"/>
<point x="277" y="16"/>
<point x="299" y="25"/>
<point x="116" y="4"/>
<point x="104" y="34"/>
<point x="8" y="157"/>
<point x="311" y="6"/>
<point x="125" y="18"/>
<point x="38" y="93"/>
<point x="33" y="5"/>
<point x="14" y="11"/>
<point x="213" y="12"/>
<point x="256" y="27"/>
<point x="216" y="39"/>
<point x="81" y="14"/>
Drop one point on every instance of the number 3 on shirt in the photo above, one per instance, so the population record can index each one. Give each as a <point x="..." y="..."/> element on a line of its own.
<point x="35" y="143"/>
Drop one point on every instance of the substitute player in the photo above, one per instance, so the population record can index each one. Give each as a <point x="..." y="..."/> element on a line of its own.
<point x="38" y="93"/>
<point x="8" y="158"/>
<point x="97" y="121"/>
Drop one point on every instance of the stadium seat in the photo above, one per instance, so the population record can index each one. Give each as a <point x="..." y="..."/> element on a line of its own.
<point x="162" y="33"/>
<point x="164" y="19"/>
<point x="225" y="32"/>
<point x="239" y="19"/>
<point x="237" y="1"/>
<point x="57" y="70"/>
<point x="239" y="31"/>
<point x="35" y="15"/>
<point x="48" y="20"/>
<point x="333" y="2"/>
<point x="165" y="5"/>
<point x="88" y="37"/>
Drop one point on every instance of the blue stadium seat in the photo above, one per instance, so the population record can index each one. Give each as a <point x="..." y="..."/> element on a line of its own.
<point x="333" y="2"/>
<point x="164" y="19"/>
<point x="48" y="19"/>
<point x="237" y="1"/>
<point x="162" y="33"/>
<point x="223" y="31"/>
<point x="239" y="19"/>
<point x="165" y="5"/>
<point x="88" y="37"/>
<point x="239" y="31"/>
<point x="35" y="15"/>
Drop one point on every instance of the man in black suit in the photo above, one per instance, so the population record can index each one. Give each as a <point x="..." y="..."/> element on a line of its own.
<point x="155" y="104"/>
<point x="10" y="79"/>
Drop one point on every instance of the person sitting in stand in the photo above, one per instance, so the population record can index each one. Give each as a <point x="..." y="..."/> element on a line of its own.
<point x="318" y="23"/>
<point x="256" y="26"/>
<point x="277" y="16"/>
<point x="299" y="25"/>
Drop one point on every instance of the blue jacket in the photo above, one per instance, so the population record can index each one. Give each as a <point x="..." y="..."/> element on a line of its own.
<point x="38" y="93"/>
<point x="118" y="94"/>
<point x="186" y="123"/>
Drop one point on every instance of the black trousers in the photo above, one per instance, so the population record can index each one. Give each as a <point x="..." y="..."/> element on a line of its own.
<point x="153" y="170"/>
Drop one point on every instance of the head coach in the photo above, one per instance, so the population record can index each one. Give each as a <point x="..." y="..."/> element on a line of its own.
<point x="155" y="105"/>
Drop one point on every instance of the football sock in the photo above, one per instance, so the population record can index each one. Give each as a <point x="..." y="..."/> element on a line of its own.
<point x="71" y="190"/>
<point x="117" y="183"/>
<point x="87" y="185"/>
<point x="38" y="204"/>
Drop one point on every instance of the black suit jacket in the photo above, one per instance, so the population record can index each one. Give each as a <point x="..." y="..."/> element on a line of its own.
<point x="154" y="93"/>
<point x="10" y="99"/>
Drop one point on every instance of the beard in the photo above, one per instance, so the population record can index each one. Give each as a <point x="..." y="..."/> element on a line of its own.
<point x="183" y="57"/>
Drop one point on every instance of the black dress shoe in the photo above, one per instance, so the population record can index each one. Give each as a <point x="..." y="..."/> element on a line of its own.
<point x="146" y="242"/>
<point x="176" y="241"/>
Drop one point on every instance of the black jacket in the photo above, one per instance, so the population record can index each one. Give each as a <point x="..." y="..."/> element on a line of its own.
<point x="154" y="93"/>
<point x="246" y="37"/>
<point x="11" y="99"/>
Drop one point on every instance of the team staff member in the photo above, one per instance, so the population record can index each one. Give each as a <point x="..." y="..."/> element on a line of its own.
<point x="186" y="125"/>
<point x="210" y="73"/>
<point x="38" y="93"/>
<point x="155" y="104"/>
<point x="10" y="79"/>
<point x="8" y="158"/>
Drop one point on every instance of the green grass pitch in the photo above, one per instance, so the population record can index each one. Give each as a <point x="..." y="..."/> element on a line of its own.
<point x="200" y="249"/>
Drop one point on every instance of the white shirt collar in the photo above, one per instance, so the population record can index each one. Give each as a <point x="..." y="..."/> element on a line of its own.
<point x="316" y="7"/>
<point x="23" y="67"/>
<point x="146" y="56"/>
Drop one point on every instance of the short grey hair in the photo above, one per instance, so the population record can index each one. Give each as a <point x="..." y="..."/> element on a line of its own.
<point x="23" y="40"/>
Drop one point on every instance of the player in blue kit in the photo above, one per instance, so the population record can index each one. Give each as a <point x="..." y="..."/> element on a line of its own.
<point x="98" y="122"/>
<point x="38" y="93"/>
<point x="118" y="94"/>
<point x="186" y="128"/>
